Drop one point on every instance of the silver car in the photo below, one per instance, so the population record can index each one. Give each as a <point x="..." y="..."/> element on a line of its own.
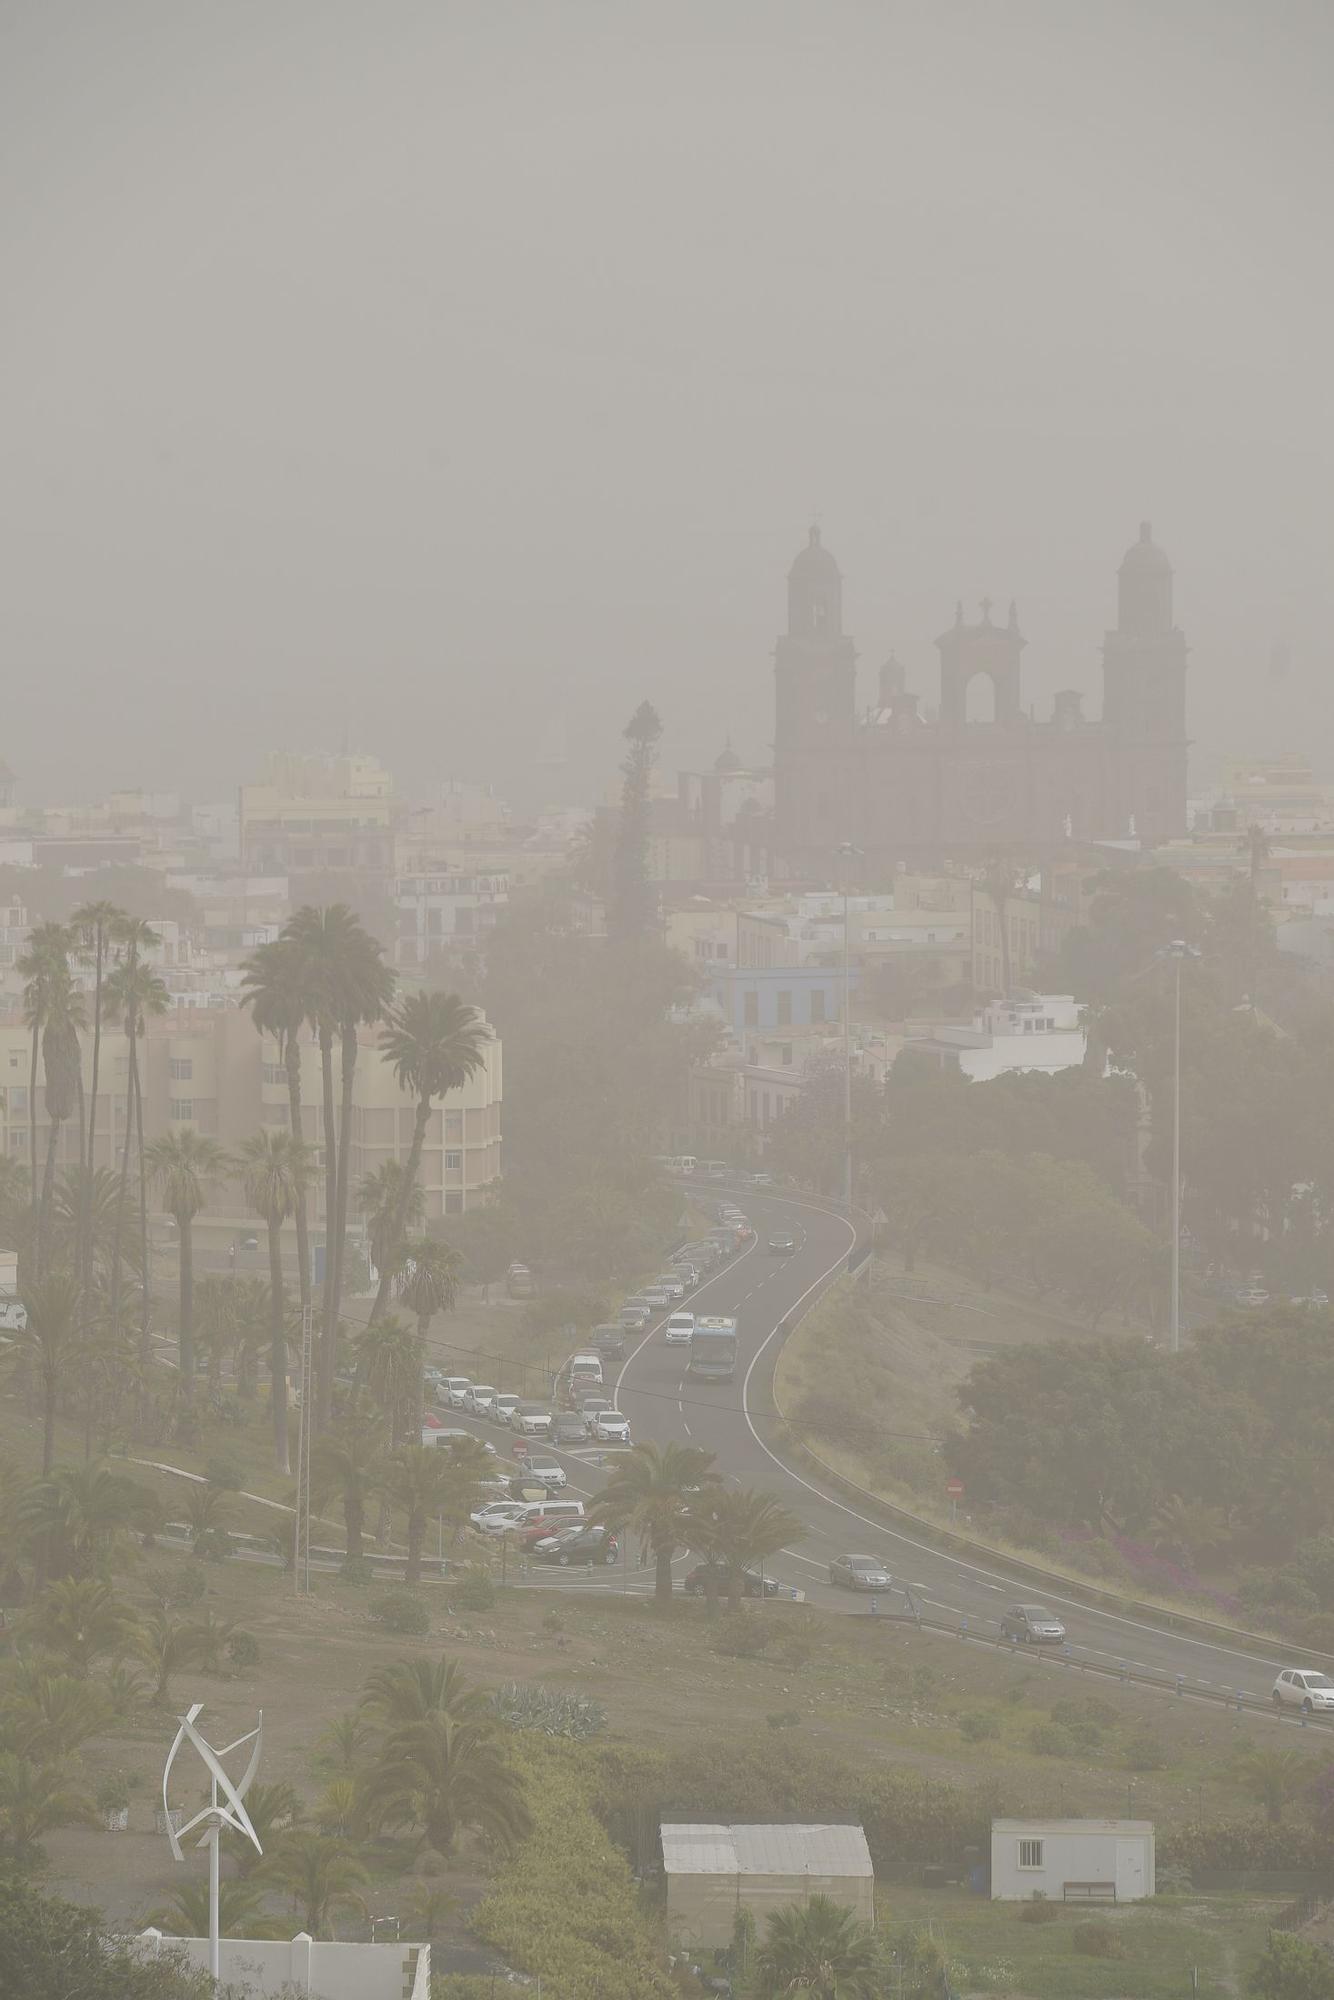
<point x="1032" y="1625"/>
<point x="672" y="1283"/>
<point x="1303" y="1688"/>
<point x="860" y="1573"/>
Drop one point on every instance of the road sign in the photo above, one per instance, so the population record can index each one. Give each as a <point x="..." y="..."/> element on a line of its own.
<point x="954" y="1487"/>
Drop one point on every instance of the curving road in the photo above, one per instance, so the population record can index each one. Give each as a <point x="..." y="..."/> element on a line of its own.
<point x="731" y="1420"/>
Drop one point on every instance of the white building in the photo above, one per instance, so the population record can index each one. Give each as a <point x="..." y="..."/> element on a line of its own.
<point x="439" y="913"/>
<point x="714" y="1871"/>
<point x="323" y="1970"/>
<point x="1027" y="1031"/>
<point x="1072" y="1860"/>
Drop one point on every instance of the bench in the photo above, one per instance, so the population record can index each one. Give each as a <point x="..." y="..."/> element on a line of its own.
<point x="1088" y="1892"/>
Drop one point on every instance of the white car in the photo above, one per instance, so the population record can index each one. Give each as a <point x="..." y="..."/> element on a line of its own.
<point x="497" y="1516"/>
<point x="610" y="1427"/>
<point x="543" y="1471"/>
<point x="672" y="1283"/>
<point x="680" y="1327"/>
<point x="1304" y="1688"/>
<point x="590" y="1409"/>
<point x="531" y="1420"/>
<point x="448" y="1437"/>
<point x="503" y="1408"/>
<point x="655" y="1296"/>
<point x="454" y="1391"/>
<point x="480" y="1398"/>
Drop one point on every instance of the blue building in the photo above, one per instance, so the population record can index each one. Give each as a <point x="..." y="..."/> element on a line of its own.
<point x="778" y="996"/>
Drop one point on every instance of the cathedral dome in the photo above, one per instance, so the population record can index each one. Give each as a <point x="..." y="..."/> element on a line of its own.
<point x="814" y="593"/>
<point x="727" y="760"/>
<point x="814" y="563"/>
<point x="1144" y="556"/>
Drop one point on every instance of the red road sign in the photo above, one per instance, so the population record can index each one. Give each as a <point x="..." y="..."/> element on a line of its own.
<point x="954" y="1487"/>
<point x="520" y="1450"/>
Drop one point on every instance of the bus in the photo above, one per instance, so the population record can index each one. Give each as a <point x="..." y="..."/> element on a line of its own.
<point x="713" y="1350"/>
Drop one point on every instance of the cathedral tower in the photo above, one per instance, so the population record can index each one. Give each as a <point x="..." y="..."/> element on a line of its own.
<point x="1144" y="695"/>
<point x="815" y="675"/>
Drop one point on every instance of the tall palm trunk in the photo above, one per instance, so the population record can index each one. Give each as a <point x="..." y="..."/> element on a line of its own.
<point x="292" y="1064"/>
<point x="662" y="1577"/>
<point x="48" y="1189"/>
<point x="49" y="1379"/>
<point x="185" y="1229"/>
<point x="330" y="1333"/>
<point x="416" y="1536"/>
<point x="32" y="1127"/>
<point x="399" y="1223"/>
<point x="145" y="1269"/>
<point x="278" y="1344"/>
<point x="122" y="1189"/>
<point x="348" y="1056"/>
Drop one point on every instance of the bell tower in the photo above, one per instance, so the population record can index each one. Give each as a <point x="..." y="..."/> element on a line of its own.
<point x="815" y="689"/>
<point x="1144" y="695"/>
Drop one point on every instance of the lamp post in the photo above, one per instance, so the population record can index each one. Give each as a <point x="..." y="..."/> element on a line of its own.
<point x="847" y="854"/>
<point x="1176" y="951"/>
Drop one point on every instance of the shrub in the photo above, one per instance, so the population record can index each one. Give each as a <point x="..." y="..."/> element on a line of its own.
<point x="226" y="1473"/>
<point x="401" y="1611"/>
<point x="356" y="1570"/>
<point x="475" y="1591"/>
<point x="553" y="1711"/>
<point x="979" y="1726"/>
<point x="213" y="1545"/>
<point x="744" y="1638"/>
<point x="1097" y="1940"/>
<point x="1039" y="1911"/>
<point x="1174" y="1880"/>
<point x="925" y="1682"/>
<point x="552" y="1622"/>
<point x="113" y="1793"/>
<point x="1071" y="1709"/>
<point x="175" y="1585"/>
<point x="1051" y="1739"/>
<point x="243" y="1649"/>
<point x="1146" y="1752"/>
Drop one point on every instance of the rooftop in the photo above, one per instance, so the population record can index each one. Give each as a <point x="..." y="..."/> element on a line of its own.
<point x="765" y="1850"/>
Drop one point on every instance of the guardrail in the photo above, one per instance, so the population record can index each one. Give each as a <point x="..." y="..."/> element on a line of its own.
<point x="950" y="1542"/>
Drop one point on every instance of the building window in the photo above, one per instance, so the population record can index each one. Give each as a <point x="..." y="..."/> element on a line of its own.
<point x="453" y="1163"/>
<point x="752" y="1010"/>
<point x="181" y="1069"/>
<point x="785" y="1052"/>
<point x="453" y="1201"/>
<point x="817" y="1004"/>
<point x="18" y="1099"/>
<point x="183" y="1110"/>
<point x="1030" y="1854"/>
<point x="785" y="1010"/>
<point x="275" y="1073"/>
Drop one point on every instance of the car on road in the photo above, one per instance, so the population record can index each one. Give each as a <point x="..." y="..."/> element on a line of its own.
<point x="654" y="1295"/>
<point x="760" y="1180"/>
<point x="1251" y="1295"/>
<point x="782" y="1243"/>
<point x="443" y="1437"/>
<point x="680" y="1326"/>
<point x="860" y="1573"/>
<point x="610" y="1427"/>
<point x="1306" y="1689"/>
<point x="531" y="1420"/>
<point x="568" y="1428"/>
<point x="672" y="1283"/>
<point x="587" y="1544"/>
<point x="497" y="1516"/>
<point x="543" y="1471"/>
<point x="480" y="1398"/>
<point x="454" y="1391"/>
<point x="753" y="1584"/>
<point x="503" y="1408"/>
<point x="1032" y="1625"/>
<point x="590" y="1409"/>
<point x="634" y="1318"/>
<point x="609" y="1340"/>
<point x="1318" y="1301"/>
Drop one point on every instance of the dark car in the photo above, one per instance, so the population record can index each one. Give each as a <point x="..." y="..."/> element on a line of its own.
<point x="586" y="1544"/>
<point x="782" y="1242"/>
<point x="752" y="1583"/>
<point x="568" y="1428"/>
<point x="609" y="1340"/>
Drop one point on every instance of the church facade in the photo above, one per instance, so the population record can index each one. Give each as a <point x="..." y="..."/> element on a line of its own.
<point x="894" y="782"/>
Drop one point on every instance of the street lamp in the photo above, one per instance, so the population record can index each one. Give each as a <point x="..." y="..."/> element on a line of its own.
<point x="1176" y="951"/>
<point x="847" y="853"/>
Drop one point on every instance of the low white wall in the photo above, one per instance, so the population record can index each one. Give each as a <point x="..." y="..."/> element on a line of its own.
<point x="325" y="1971"/>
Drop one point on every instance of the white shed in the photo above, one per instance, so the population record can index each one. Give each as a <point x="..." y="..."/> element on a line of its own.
<point x="713" y="1871"/>
<point x="1072" y="1860"/>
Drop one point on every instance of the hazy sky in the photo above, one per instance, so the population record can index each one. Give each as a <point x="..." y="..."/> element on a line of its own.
<point x="426" y="371"/>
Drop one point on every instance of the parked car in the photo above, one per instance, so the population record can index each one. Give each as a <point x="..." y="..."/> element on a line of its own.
<point x="634" y="1318"/>
<point x="568" y="1428"/>
<point x="502" y="1408"/>
<point x="654" y="1295"/>
<point x="480" y="1398"/>
<point x="753" y="1584"/>
<point x="1032" y="1625"/>
<point x="1304" y="1688"/>
<point x="760" y="1180"/>
<point x="531" y="1420"/>
<point x="543" y="1471"/>
<point x="782" y="1243"/>
<point x="610" y="1427"/>
<point x="609" y="1340"/>
<point x="860" y="1573"/>
<point x="1318" y="1301"/>
<point x="680" y="1327"/>
<point x="590" y="1410"/>
<point x="1251" y="1295"/>
<point x="590" y="1544"/>
<point x="496" y="1516"/>
<point x="519" y="1282"/>
<point x="454" y="1391"/>
<point x="672" y="1283"/>
<point x="444" y="1436"/>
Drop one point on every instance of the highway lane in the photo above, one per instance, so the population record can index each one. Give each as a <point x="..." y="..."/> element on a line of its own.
<point x="734" y="1422"/>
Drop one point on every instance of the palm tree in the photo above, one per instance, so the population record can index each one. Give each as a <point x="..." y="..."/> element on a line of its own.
<point x="380" y="1196"/>
<point x="81" y="1620"/>
<point x="254" y="1325"/>
<point x="34" y="1799"/>
<point x="347" y="984"/>
<point x="653" y="1491"/>
<point x="275" y="1811"/>
<point x="345" y="1464"/>
<point x="743" y="1526"/>
<point x="428" y="1283"/>
<point x="165" y="1645"/>
<point x="51" y="1336"/>
<point x="424" y="1482"/>
<point x="79" y="1513"/>
<point x="275" y="1167"/>
<point x="435" y="1042"/>
<point x="98" y="925"/>
<point x="62" y="1068"/>
<point x="411" y="1690"/>
<point x="44" y="969"/>
<point x="441" y="1775"/>
<point x="389" y="1358"/>
<point x="998" y="881"/>
<point x="820" y="1948"/>
<point x="428" y="1908"/>
<point x="275" y="993"/>
<point x="134" y="994"/>
<point x="320" y="1874"/>
<point x="215" y="1316"/>
<point x="240" y="1911"/>
<point x="1273" y="1778"/>
<point x="344" y="1743"/>
<point x="185" y="1163"/>
<point x="52" y="1714"/>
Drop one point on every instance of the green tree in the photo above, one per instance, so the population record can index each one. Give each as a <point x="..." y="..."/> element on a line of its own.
<point x="380" y="1196"/>
<point x="1273" y="1778"/>
<point x="35" y="1798"/>
<point x="389" y="1360"/>
<point x="425" y="1482"/>
<point x="166" y="1644"/>
<point x="411" y="1690"/>
<point x="741" y="1527"/>
<point x="428" y="1284"/>
<point x="50" y="1715"/>
<point x="62" y="1069"/>
<point x="133" y="994"/>
<point x="216" y="1327"/>
<point x="629" y="912"/>
<point x="275" y="990"/>
<point x="51" y="1950"/>
<point x="656" y="1490"/>
<point x="241" y="1911"/>
<point x="44" y="969"/>
<point x="441" y="1775"/>
<point x="320" y="1874"/>
<point x="1293" y="1968"/>
<point x="185" y="1164"/>
<point x="51" y="1338"/>
<point x="275" y="1167"/>
<point x="79" y="1514"/>
<point x="81" y="1620"/>
<point x="819" y="1947"/>
<point x="346" y="1464"/>
<point x="434" y="1043"/>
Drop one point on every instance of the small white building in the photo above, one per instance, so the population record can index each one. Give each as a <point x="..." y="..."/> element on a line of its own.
<point x="1028" y="1031"/>
<point x="714" y="1871"/>
<point x="1072" y="1860"/>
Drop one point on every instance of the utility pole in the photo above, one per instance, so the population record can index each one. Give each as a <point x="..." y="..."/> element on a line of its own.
<point x="301" y="1541"/>
<point x="847" y="854"/>
<point x="1176" y="951"/>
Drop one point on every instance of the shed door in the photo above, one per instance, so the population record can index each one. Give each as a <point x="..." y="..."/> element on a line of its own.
<point x="1129" y="1870"/>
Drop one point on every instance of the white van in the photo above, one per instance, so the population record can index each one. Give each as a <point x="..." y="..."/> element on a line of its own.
<point x="586" y="1368"/>
<point x="559" y="1512"/>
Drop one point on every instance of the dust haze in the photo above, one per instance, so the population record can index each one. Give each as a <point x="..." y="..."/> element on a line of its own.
<point x="444" y="376"/>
